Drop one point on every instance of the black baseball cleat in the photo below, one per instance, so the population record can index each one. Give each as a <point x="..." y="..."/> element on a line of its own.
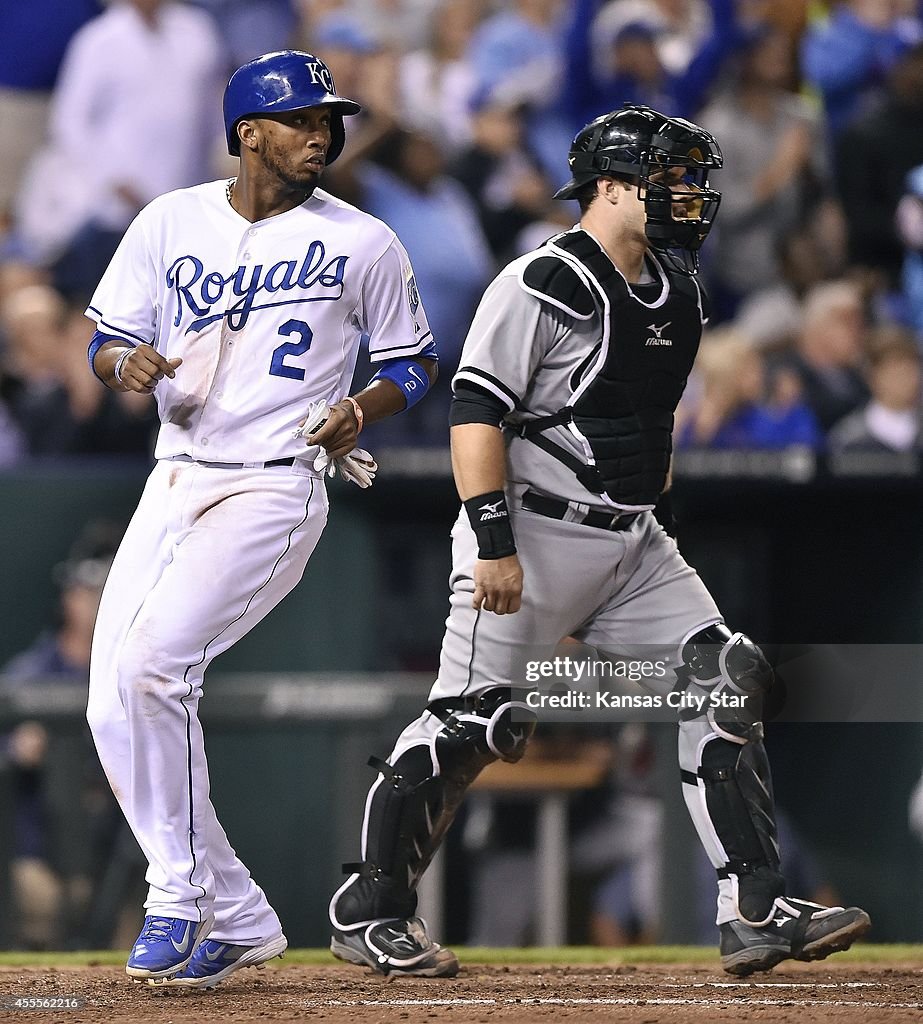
<point x="395" y="946"/>
<point x="799" y="930"/>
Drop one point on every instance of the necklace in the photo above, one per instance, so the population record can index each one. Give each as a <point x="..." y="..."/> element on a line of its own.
<point x="229" y="189"/>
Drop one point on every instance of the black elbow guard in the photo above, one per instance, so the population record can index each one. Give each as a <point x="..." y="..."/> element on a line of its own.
<point x="471" y="404"/>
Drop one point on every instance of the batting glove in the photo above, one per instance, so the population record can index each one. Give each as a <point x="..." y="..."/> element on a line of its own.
<point x="358" y="467"/>
<point x="315" y="417"/>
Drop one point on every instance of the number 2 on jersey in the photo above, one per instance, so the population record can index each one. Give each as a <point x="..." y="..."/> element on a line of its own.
<point x="279" y="367"/>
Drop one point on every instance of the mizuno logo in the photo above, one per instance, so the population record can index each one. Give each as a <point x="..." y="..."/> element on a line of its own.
<point x="491" y="511"/>
<point x="656" y="336"/>
<point x="400" y="941"/>
<point x="781" y="920"/>
<point x="184" y="946"/>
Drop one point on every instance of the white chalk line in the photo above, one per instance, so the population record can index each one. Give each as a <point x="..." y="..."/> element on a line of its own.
<point x="607" y="1001"/>
<point x="768" y="984"/>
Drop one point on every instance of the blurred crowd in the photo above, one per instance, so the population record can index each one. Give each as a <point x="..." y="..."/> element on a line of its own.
<point x="815" y="268"/>
<point x="618" y="851"/>
<point x="75" y="871"/>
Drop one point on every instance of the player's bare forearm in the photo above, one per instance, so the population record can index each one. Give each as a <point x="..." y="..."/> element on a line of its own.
<point x="104" y="363"/>
<point x="139" y="367"/>
<point x="478" y="459"/>
<point x="380" y="399"/>
<point x="479" y="465"/>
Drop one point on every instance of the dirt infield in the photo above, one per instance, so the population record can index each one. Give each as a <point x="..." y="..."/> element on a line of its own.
<point x="515" y="994"/>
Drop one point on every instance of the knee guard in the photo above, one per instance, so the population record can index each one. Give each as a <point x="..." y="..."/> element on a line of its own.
<point x="411" y="806"/>
<point x="724" y="768"/>
<point x="737" y="677"/>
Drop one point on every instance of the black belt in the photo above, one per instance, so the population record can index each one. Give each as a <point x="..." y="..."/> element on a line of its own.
<point x="234" y="465"/>
<point x="555" y="509"/>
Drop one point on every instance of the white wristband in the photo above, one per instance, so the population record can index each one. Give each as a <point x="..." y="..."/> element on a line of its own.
<point x="117" y="372"/>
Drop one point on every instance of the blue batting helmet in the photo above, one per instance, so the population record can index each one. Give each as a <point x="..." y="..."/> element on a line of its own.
<point x="282" y="81"/>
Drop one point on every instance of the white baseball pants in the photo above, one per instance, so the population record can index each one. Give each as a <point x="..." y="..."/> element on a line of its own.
<point x="208" y="553"/>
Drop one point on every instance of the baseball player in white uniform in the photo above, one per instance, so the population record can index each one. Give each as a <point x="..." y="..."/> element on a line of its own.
<point x="562" y="422"/>
<point x="240" y="305"/>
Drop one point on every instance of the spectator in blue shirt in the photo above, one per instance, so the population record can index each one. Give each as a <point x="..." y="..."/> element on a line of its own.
<point x="519" y="48"/>
<point x="847" y="56"/>
<point x="406" y="186"/>
<point x="517" y="57"/>
<point x="637" y="74"/>
<point x="733" y="412"/>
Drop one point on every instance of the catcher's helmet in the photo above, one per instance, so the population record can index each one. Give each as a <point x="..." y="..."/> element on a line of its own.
<point x="636" y="142"/>
<point x="283" y="81"/>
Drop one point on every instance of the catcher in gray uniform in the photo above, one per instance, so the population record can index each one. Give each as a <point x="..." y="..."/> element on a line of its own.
<point x="561" y="444"/>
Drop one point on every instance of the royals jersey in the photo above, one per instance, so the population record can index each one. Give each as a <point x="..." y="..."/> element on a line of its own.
<point x="266" y="316"/>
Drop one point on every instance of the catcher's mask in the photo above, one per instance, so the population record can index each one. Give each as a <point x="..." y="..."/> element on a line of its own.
<point x="279" y="82"/>
<point x="640" y="145"/>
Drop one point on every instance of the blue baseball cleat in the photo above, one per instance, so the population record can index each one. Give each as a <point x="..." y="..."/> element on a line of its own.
<point x="214" y="960"/>
<point x="165" y="946"/>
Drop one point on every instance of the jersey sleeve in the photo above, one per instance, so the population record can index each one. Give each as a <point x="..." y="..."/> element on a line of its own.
<point x="125" y="302"/>
<point x="510" y="334"/>
<point x="390" y="311"/>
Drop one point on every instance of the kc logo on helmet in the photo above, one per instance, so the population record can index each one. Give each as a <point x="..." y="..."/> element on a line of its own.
<point x="320" y="74"/>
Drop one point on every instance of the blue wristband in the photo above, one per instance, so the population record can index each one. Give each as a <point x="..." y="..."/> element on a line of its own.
<point x="409" y="376"/>
<point x="96" y="343"/>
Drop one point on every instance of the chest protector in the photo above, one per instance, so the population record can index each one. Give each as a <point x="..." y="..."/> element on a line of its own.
<point x="625" y="393"/>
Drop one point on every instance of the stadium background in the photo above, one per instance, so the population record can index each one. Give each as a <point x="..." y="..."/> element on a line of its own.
<point x="806" y="534"/>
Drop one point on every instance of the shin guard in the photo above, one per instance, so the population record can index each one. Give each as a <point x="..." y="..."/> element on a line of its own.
<point x="727" y="783"/>
<point x="420" y="788"/>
